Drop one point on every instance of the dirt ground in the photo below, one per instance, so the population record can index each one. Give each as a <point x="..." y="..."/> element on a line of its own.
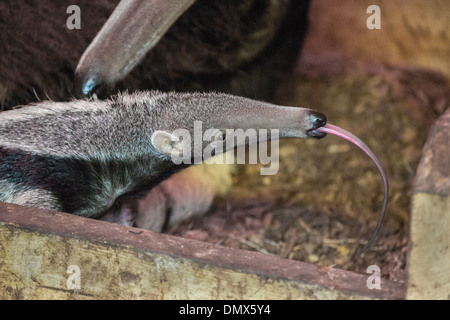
<point x="324" y="202"/>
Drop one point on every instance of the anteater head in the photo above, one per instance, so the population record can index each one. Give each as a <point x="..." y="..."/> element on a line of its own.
<point x="221" y="122"/>
<point x="89" y="153"/>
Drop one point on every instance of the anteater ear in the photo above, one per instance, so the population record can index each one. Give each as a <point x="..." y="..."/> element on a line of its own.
<point x="170" y="145"/>
<point x="164" y="142"/>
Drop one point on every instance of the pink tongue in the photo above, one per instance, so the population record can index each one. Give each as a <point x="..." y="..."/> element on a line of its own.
<point x="331" y="129"/>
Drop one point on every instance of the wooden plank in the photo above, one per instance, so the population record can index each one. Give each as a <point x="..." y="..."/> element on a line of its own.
<point x="429" y="258"/>
<point x="118" y="262"/>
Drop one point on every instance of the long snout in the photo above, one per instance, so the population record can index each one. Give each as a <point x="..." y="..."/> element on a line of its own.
<point x="132" y="30"/>
<point x="223" y="111"/>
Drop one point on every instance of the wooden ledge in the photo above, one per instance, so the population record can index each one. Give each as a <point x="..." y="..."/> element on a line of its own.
<point x="119" y="262"/>
<point x="429" y="253"/>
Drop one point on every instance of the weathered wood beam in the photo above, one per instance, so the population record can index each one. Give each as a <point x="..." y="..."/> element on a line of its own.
<point x="429" y="257"/>
<point x="118" y="262"/>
